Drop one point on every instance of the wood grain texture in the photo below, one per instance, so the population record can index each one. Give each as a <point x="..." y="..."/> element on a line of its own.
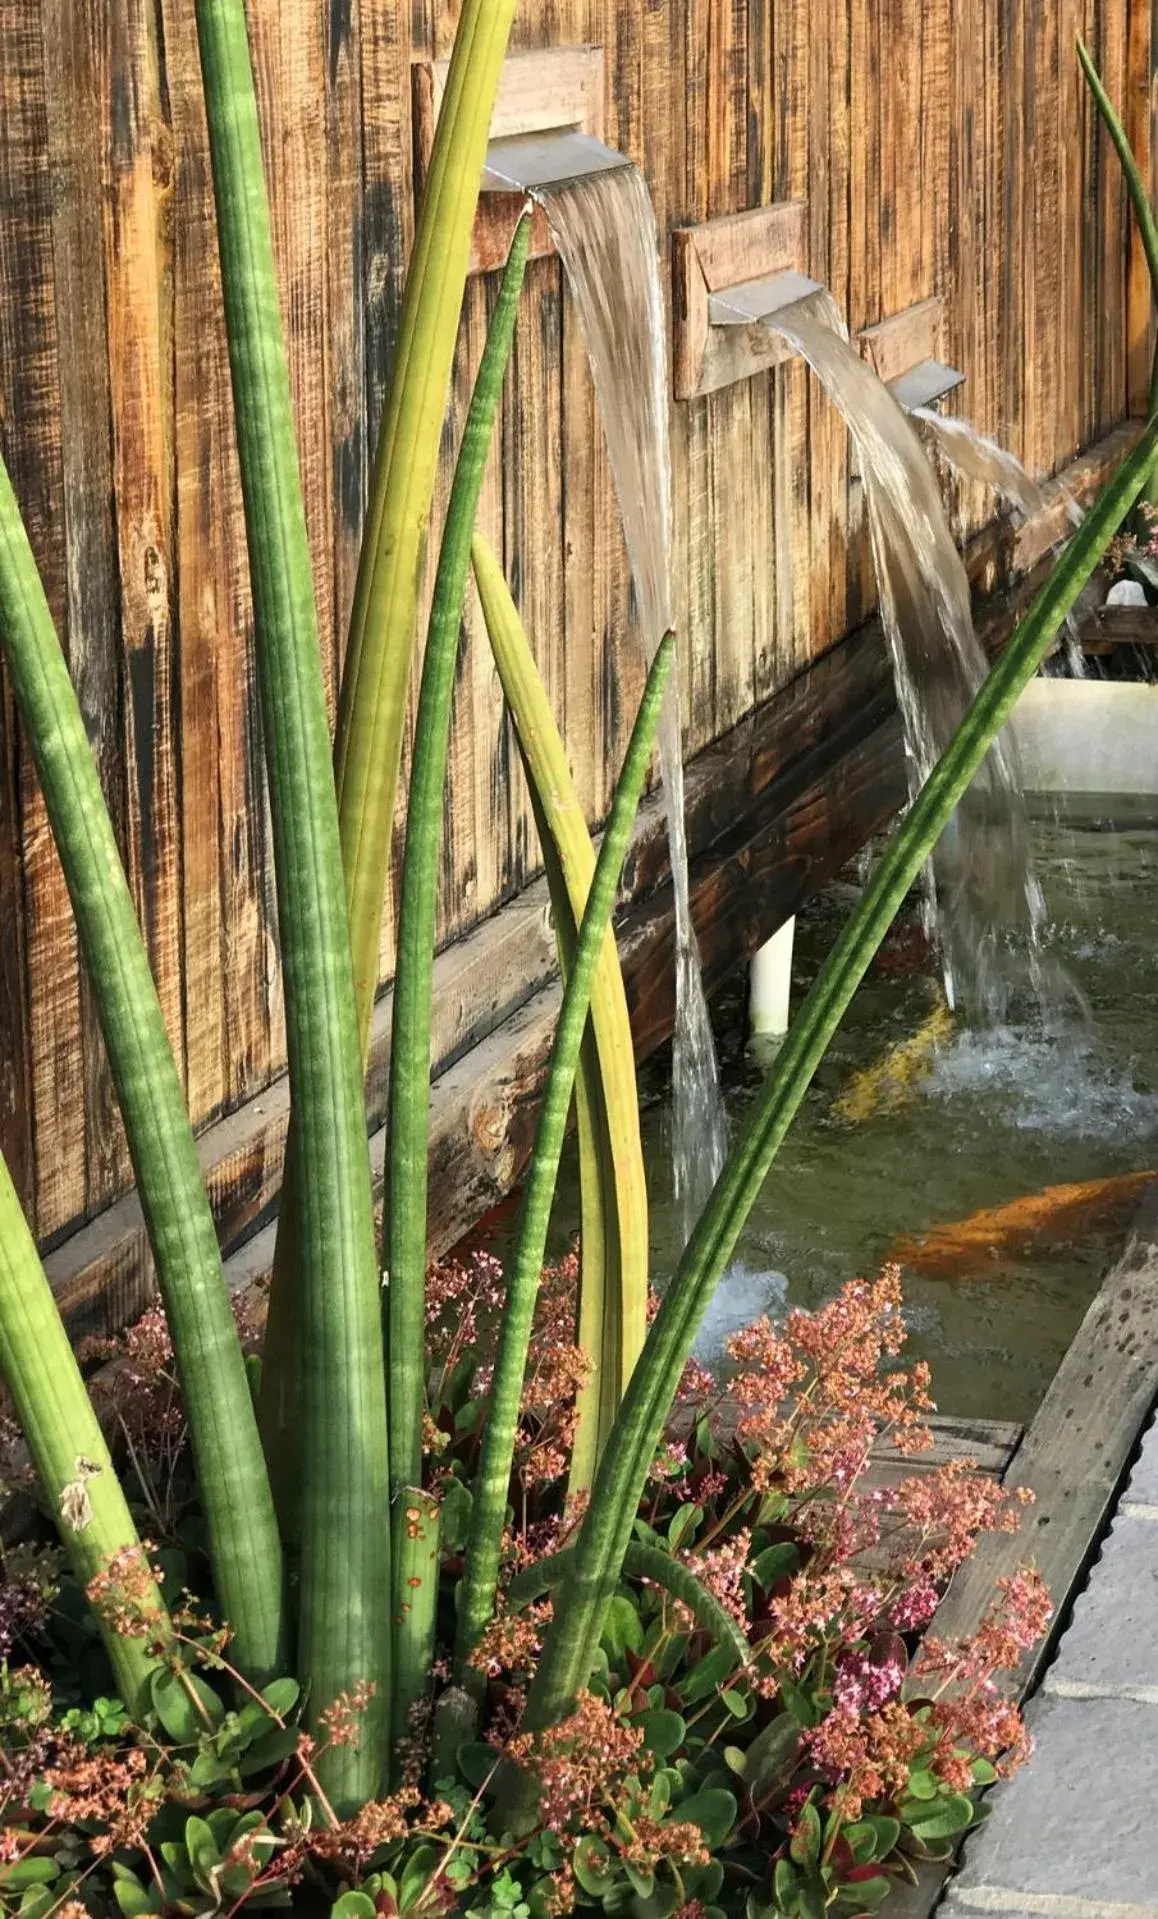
<point x="31" y="429"/>
<point x="934" y="150"/>
<point x="80" y="148"/>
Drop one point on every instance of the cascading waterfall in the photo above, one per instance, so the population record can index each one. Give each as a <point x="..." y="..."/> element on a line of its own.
<point x="603" y="225"/>
<point x="981" y="890"/>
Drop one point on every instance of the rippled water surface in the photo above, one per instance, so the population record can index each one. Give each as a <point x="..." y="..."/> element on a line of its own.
<point x="916" y="1123"/>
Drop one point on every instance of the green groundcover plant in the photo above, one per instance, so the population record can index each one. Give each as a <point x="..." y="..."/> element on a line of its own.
<point x="458" y="1591"/>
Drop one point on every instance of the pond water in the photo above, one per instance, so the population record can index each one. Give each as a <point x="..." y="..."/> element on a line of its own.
<point x="916" y="1124"/>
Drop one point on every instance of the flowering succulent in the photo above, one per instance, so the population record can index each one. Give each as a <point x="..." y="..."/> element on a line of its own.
<point x="765" y="1731"/>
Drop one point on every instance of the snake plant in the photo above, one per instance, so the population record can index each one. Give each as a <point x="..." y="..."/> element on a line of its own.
<point x="409" y="1105"/>
<point x="375" y="683"/>
<point x="359" y="1631"/>
<point x="480" y="1582"/>
<point x="345" y="1540"/>
<point x="614" y="1248"/>
<point x="64" y="1437"/>
<point x="230" y="1465"/>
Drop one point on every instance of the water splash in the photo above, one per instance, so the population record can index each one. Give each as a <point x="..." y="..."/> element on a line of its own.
<point x="974" y="456"/>
<point x="983" y="895"/>
<point x="603" y="225"/>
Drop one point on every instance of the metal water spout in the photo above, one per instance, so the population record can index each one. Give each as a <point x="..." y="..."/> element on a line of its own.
<point x="756" y="302"/>
<point x="539" y="163"/>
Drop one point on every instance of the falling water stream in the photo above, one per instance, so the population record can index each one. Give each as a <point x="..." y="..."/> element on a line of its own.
<point x="983" y="894"/>
<point x="976" y="457"/>
<point x="603" y="225"/>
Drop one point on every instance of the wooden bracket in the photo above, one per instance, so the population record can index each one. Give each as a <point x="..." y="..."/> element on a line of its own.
<point x="716" y="258"/>
<point x="904" y="351"/>
<point x="555" y="89"/>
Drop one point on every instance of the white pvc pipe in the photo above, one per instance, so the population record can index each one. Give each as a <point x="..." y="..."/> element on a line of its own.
<point x="771" y="982"/>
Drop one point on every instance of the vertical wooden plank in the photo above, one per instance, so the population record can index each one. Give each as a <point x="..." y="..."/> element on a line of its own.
<point x="289" y="54"/>
<point x="762" y="464"/>
<point x="795" y="390"/>
<point x="1071" y="215"/>
<point x="730" y="412"/>
<point x="699" y="679"/>
<point x="1010" y="82"/>
<point x="232" y="982"/>
<point x="1042" y="286"/>
<point x="29" y="370"/>
<point x="1139" y="299"/>
<point x="828" y="188"/>
<point x="629" y="34"/>
<point x="140" y="288"/>
<point x="22" y="330"/>
<point x="1113" y="244"/>
<point x="960" y="273"/>
<point x="864" y="297"/>
<point x="76" y="79"/>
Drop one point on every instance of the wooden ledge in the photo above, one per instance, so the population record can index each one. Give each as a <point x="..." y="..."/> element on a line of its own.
<point x="547" y="90"/>
<point x="711" y="258"/>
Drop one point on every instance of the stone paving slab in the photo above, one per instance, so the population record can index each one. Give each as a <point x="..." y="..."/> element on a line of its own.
<point x="1077" y="1824"/>
<point x="1142" y="1486"/>
<point x="1111" y="1644"/>
<point x="1045" y="1906"/>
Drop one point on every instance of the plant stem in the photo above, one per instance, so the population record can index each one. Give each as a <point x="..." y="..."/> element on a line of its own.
<point x="64" y="1436"/>
<point x="246" y="1552"/>
<point x="409" y="1101"/>
<point x="614" y="1247"/>
<point x="373" y="702"/>
<point x="492" y="1480"/>
<point x="1135" y="186"/>
<point x="376" y="680"/>
<point x="606" y="1529"/>
<point x="416" y="1559"/>
<point x="342" y="1640"/>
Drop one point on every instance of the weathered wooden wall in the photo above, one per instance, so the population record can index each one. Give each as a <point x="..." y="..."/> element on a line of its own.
<point x="943" y="146"/>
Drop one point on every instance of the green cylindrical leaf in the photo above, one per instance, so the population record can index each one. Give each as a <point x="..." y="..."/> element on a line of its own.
<point x="480" y="1581"/>
<point x="230" y="1465"/>
<point x="614" y="1249"/>
<point x="374" y="687"/>
<point x="606" y="1529"/>
<point x="417" y="1532"/>
<point x="63" y="1434"/>
<point x="640" y="1562"/>
<point x="409" y="1105"/>
<point x="342" y="1637"/>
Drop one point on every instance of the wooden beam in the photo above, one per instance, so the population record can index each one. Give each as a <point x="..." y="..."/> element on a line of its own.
<point x="541" y="90"/>
<point x="709" y="259"/>
<point x="1113" y="626"/>
<point x="896" y="345"/>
